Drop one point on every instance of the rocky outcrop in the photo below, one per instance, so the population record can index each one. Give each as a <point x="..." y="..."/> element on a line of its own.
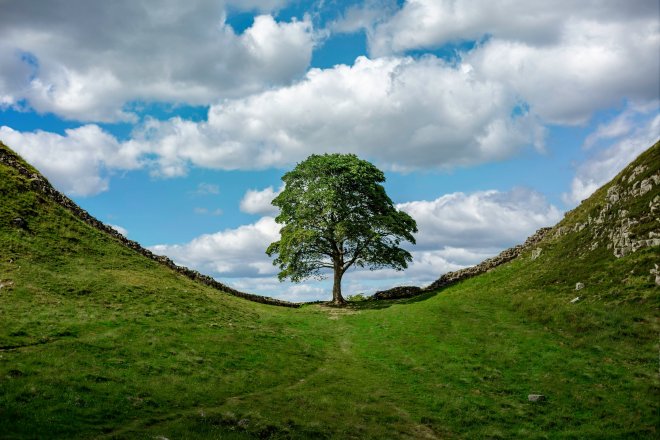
<point x="40" y="184"/>
<point x="613" y="226"/>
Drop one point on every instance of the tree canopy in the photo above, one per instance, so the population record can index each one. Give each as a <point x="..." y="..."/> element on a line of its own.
<point x="335" y="214"/>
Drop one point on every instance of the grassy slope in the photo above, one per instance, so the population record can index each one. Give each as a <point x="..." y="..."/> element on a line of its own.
<point x="111" y="345"/>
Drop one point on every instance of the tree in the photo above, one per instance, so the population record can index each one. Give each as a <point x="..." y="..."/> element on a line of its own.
<point x="335" y="214"/>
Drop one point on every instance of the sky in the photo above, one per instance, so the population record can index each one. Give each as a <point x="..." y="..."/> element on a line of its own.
<point x="174" y="121"/>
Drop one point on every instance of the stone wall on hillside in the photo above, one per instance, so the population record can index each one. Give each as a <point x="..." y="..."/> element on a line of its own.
<point x="40" y="184"/>
<point x="454" y="277"/>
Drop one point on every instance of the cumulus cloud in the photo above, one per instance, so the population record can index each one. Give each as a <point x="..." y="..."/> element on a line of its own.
<point x="259" y="202"/>
<point x="231" y="253"/>
<point x="88" y="60"/>
<point x="544" y="64"/>
<point x="431" y="23"/>
<point x="565" y="59"/>
<point x="455" y="231"/>
<point x="79" y="162"/>
<point x="614" y="145"/>
<point x="401" y="112"/>
<point x="480" y="220"/>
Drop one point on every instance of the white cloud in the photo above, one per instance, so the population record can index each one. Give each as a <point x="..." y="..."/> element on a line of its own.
<point x="87" y="60"/>
<point x="431" y="23"/>
<point x="79" y="162"/>
<point x="402" y="113"/>
<point x="480" y="220"/>
<point x="363" y="16"/>
<point x="259" y="202"/>
<point x="565" y="59"/>
<point x="204" y="189"/>
<point x="629" y="134"/>
<point x="455" y="230"/>
<point x="231" y="253"/>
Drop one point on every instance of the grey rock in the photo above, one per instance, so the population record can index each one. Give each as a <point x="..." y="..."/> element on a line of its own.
<point x="574" y="300"/>
<point x="656" y="272"/>
<point x="579" y="286"/>
<point x="536" y="398"/>
<point x="536" y="253"/>
<point x="243" y="423"/>
<point x="20" y="223"/>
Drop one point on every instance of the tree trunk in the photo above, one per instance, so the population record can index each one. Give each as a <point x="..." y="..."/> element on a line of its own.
<point x="337" y="299"/>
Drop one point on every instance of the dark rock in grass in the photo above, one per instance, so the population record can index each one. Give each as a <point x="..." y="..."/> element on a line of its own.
<point x="20" y="223"/>
<point x="536" y="398"/>
<point x="398" y="292"/>
<point x="15" y="373"/>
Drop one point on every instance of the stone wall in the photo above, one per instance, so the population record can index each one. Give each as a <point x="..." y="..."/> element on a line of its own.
<point x="40" y="184"/>
<point x="454" y="277"/>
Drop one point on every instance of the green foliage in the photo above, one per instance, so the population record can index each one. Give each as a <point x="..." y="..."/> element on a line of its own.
<point x="335" y="214"/>
<point x="357" y="297"/>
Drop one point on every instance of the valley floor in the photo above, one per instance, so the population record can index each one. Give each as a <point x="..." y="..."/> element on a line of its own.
<point x="188" y="362"/>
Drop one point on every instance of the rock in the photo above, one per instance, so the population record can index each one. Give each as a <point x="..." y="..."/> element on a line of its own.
<point x="656" y="272"/>
<point x="536" y="398"/>
<point x="613" y="194"/>
<point x="574" y="300"/>
<point x="243" y="423"/>
<point x="20" y="223"/>
<point x="637" y="171"/>
<point x="398" y="292"/>
<point x="535" y="253"/>
<point x="579" y="286"/>
<point x="645" y="186"/>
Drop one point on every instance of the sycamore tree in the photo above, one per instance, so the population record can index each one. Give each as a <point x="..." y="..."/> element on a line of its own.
<point x="335" y="214"/>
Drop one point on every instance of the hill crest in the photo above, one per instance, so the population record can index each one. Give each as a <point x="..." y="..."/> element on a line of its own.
<point x="40" y="184"/>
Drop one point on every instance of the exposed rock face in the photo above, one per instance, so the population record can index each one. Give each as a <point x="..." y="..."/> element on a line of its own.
<point x="41" y="185"/>
<point x="613" y="226"/>
<point x="656" y="271"/>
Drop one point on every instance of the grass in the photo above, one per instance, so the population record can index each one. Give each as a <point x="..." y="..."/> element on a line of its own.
<point x="99" y="342"/>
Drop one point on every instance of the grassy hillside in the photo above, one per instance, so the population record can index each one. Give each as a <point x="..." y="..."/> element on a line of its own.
<point x="99" y="342"/>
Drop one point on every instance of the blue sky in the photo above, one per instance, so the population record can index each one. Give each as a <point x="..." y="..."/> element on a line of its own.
<point x="175" y="121"/>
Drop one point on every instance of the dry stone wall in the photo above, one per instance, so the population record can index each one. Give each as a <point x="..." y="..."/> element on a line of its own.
<point x="41" y="185"/>
<point x="454" y="277"/>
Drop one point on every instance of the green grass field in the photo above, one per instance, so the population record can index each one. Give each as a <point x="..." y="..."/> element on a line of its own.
<point x="100" y="342"/>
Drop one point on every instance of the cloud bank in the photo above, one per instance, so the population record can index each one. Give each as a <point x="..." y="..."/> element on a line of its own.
<point x="89" y="61"/>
